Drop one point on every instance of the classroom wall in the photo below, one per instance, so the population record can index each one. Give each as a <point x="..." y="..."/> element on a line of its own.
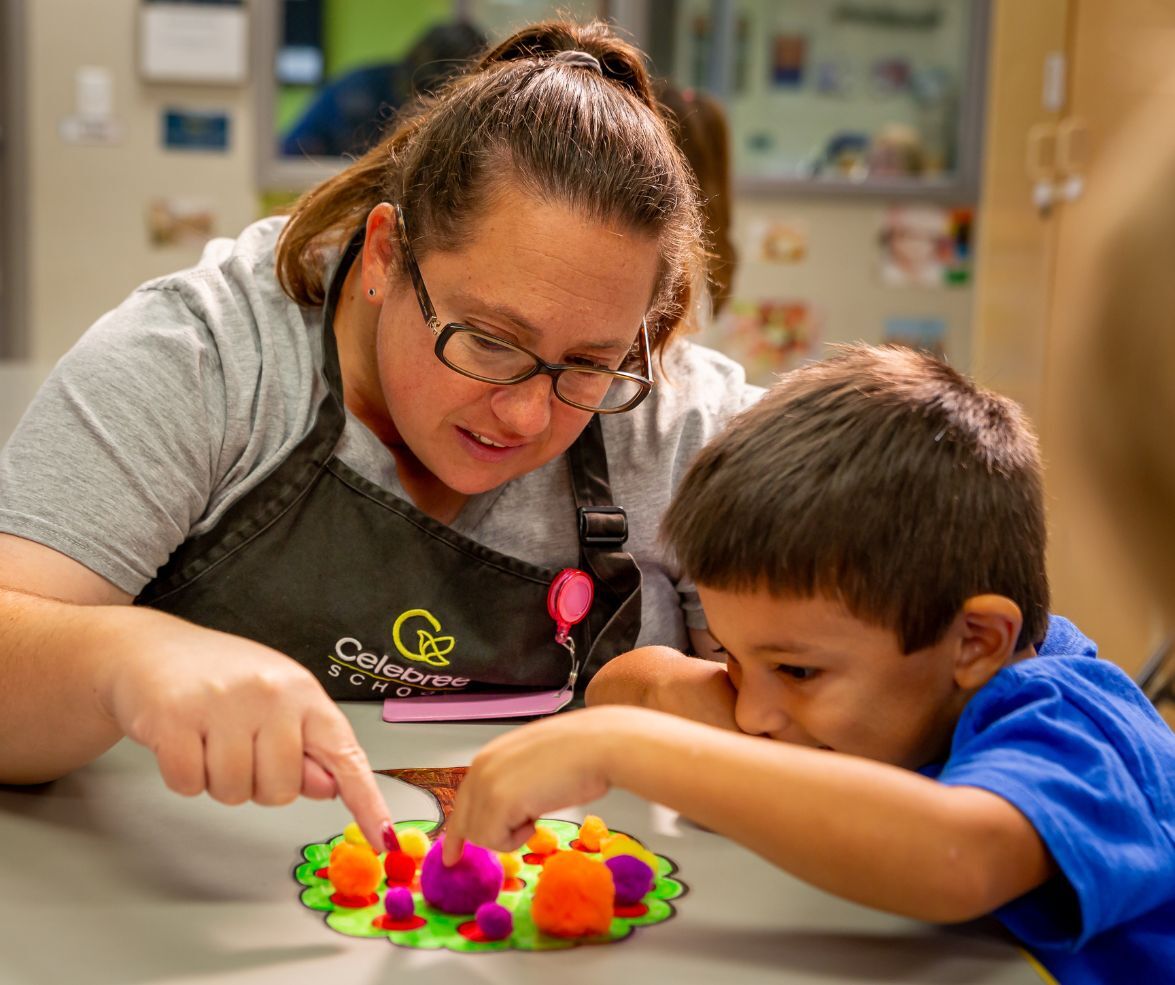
<point x="839" y="279"/>
<point x="88" y="244"/>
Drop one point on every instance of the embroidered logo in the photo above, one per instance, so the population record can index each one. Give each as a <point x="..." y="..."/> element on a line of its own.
<point x="430" y="649"/>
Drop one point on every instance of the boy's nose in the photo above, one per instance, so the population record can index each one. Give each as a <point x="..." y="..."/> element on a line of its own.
<point x="757" y="713"/>
<point x="524" y="408"/>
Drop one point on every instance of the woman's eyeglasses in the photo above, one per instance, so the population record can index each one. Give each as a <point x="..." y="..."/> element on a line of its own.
<point x="482" y="356"/>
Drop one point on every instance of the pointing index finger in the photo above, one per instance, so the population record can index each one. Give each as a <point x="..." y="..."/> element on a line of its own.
<point x="330" y="742"/>
<point x="453" y="848"/>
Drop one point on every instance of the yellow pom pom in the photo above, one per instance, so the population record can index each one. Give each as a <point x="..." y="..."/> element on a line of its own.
<point x="414" y="842"/>
<point x="352" y="835"/>
<point x="511" y="863"/>
<point x="620" y="844"/>
<point x="543" y="841"/>
<point x="592" y="832"/>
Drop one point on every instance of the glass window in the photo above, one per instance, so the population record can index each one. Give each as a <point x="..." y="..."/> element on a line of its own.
<point x="837" y="92"/>
<point x="342" y="68"/>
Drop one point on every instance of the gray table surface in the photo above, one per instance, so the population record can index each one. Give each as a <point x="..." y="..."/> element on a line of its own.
<point x="108" y="878"/>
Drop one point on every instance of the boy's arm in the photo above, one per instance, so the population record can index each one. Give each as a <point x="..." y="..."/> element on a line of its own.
<point x="872" y="833"/>
<point x="663" y="679"/>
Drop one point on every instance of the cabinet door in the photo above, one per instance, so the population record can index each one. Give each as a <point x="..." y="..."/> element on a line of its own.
<point x="1121" y="57"/>
<point x="1016" y="241"/>
<point x="1115" y="55"/>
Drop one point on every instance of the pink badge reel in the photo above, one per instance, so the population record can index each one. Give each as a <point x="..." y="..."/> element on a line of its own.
<point x="569" y="600"/>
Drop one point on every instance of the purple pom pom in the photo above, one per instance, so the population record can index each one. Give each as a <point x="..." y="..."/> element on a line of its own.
<point x="461" y="888"/>
<point x="632" y="878"/>
<point x="495" y="922"/>
<point x="399" y="903"/>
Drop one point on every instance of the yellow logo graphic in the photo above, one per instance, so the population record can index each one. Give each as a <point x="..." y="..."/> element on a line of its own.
<point x="430" y="649"/>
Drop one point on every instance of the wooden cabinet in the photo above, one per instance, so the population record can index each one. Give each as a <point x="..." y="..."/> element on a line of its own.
<point x="1117" y="54"/>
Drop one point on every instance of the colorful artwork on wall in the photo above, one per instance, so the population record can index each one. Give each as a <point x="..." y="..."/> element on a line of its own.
<point x="926" y="246"/>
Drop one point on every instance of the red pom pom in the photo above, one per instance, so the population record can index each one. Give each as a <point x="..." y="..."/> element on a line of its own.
<point x="399" y="867"/>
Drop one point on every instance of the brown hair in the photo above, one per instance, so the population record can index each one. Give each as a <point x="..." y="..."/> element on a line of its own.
<point x="593" y="141"/>
<point x="703" y="134"/>
<point x="881" y="478"/>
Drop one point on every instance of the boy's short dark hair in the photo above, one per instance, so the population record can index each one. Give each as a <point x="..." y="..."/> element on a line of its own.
<point x="879" y="477"/>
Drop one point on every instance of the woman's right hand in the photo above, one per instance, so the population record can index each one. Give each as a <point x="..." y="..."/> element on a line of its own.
<point x="238" y="720"/>
<point x="81" y="667"/>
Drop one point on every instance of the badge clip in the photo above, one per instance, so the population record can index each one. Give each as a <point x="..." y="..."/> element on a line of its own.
<point x="569" y="600"/>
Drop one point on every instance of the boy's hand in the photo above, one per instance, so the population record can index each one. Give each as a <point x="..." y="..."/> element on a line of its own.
<point x="520" y="776"/>
<point x="663" y="679"/>
<point x="241" y="721"/>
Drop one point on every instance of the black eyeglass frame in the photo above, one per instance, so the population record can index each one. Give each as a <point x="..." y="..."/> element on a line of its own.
<point x="554" y="370"/>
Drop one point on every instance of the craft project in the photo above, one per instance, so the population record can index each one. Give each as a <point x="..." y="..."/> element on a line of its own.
<point x="572" y="884"/>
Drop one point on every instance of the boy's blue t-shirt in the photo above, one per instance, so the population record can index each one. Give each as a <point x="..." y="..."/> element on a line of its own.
<point x="1075" y="746"/>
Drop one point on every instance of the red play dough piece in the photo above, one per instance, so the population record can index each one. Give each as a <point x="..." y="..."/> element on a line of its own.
<point x="636" y="910"/>
<point x="354" y="902"/>
<point x="579" y="846"/>
<point x="472" y="932"/>
<point x="323" y="873"/>
<point x="384" y="922"/>
<point x="512" y="885"/>
<point x="530" y="858"/>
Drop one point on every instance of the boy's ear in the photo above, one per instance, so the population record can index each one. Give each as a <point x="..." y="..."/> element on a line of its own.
<point x="989" y="626"/>
<point x="381" y="247"/>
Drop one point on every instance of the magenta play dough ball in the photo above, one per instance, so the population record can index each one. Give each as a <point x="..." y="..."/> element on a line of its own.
<point x="632" y="878"/>
<point x="495" y="922"/>
<point x="460" y="888"/>
<point x="398" y="902"/>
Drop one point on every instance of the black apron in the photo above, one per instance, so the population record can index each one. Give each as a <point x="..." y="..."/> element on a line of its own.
<point x="378" y="599"/>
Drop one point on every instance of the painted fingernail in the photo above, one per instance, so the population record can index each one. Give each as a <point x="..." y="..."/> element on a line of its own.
<point x="388" y="833"/>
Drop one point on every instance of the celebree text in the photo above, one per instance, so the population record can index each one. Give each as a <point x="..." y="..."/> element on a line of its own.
<point x="378" y="671"/>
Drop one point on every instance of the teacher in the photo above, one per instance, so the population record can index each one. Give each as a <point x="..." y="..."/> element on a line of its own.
<point x="346" y="454"/>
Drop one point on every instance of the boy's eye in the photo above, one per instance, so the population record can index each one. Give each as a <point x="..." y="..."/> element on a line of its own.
<point x="798" y="673"/>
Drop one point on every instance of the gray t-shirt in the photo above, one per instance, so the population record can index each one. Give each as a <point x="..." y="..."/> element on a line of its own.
<point x="182" y="399"/>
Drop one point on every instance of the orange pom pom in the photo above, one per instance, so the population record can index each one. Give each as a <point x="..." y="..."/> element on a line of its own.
<point x="573" y="897"/>
<point x="543" y="841"/>
<point x="591" y="832"/>
<point x="354" y="869"/>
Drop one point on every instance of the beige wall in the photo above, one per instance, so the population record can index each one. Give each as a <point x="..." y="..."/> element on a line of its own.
<point x="87" y="236"/>
<point x="88" y="243"/>
<point x="840" y="275"/>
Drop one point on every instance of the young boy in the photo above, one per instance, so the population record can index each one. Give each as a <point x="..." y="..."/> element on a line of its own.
<point x="868" y="542"/>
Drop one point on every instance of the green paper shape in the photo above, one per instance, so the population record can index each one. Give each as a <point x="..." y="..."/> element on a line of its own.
<point x="441" y="930"/>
